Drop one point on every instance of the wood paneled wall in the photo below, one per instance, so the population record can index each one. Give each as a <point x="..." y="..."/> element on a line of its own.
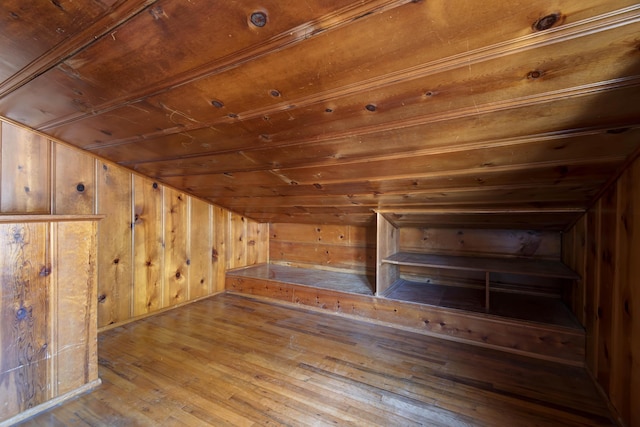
<point x="484" y="243"/>
<point x="157" y="247"/>
<point x="47" y="311"/>
<point x="481" y="242"/>
<point x="604" y="246"/>
<point x="342" y="248"/>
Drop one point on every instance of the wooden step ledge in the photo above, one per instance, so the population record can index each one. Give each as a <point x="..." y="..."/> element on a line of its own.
<point x="549" y="342"/>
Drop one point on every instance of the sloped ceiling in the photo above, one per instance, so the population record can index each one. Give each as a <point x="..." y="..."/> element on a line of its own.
<point x="449" y="112"/>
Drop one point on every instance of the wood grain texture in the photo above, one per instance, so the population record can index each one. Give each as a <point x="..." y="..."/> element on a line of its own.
<point x="608" y="281"/>
<point x="339" y="281"/>
<point x="237" y="361"/>
<point x="25" y="171"/>
<point x="200" y="247"/>
<point x="460" y="114"/>
<point x="539" y="268"/>
<point x="61" y="29"/>
<point x="593" y="285"/>
<point x="48" y="310"/>
<point x="482" y="242"/>
<point x="76" y="351"/>
<point x="247" y="242"/>
<point x="25" y="265"/>
<point x="133" y="280"/>
<point x="237" y="247"/>
<point x="387" y="244"/>
<point x="115" y="257"/>
<point x="575" y="256"/>
<point x="148" y="246"/>
<point x="258" y="244"/>
<point x="74" y="183"/>
<point x="176" y="240"/>
<point x="344" y="248"/>
<point x="611" y="299"/>
<point x="221" y="245"/>
<point x="625" y="368"/>
<point x="545" y="341"/>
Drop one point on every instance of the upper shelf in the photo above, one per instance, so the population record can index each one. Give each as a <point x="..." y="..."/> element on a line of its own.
<point x="529" y="267"/>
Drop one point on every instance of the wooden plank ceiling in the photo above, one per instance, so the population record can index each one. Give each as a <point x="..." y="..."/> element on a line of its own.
<point x="509" y="113"/>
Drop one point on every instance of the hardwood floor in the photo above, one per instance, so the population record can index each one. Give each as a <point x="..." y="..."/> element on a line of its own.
<point x="234" y="361"/>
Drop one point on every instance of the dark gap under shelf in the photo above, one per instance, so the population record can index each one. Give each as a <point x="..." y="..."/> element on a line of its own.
<point x="533" y="308"/>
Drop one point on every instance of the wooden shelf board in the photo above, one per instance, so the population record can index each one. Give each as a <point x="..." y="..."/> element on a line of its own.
<point x="529" y="267"/>
<point x="344" y="282"/>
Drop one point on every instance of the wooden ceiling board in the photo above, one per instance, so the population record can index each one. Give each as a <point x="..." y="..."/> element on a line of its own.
<point x="491" y="85"/>
<point x="522" y="154"/>
<point x="31" y="29"/>
<point x="408" y="139"/>
<point x="221" y="185"/>
<point x="324" y="111"/>
<point x="496" y="75"/>
<point x="571" y="195"/>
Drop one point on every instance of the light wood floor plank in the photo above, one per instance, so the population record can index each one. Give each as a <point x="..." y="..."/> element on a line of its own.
<point x="235" y="361"/>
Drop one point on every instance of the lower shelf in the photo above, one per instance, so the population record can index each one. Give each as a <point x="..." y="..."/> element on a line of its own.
<point x="343" y="282"/>
<point x="506" y="304"/>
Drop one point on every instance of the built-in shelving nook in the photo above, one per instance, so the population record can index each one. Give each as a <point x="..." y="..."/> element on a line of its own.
<point x="522" y="277"/>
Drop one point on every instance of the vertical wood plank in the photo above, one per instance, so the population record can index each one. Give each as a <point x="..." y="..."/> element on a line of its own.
<point x="25" y="171"/>
<point x="574" y="254"/>
<point x="76" y="356"/>
<point x="74" y="185"/>
<point x="568" y="257"/>
<point x="200" y="247"/>
<point x="487" y="291"/>
<point x="607" y="284"/>
<point x="262" y="243"/>
<point x="221" y="220"/>
<point x="148" y="279"/>
<point x="237" y="250"/>
<point x="580" y="266"/>
<point x="176" y="268"/>
<point x="387" y="244"/>
<point x="625" y="357"/>
<point x="253" y="237"/>
<point x="593" y="283"/>
<point x="25" y="317"/>
<point x="115" y="258"/>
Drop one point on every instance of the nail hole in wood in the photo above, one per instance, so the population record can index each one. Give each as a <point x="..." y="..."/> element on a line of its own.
<point x="535" y="74"/>
<point x="259" y="19"/>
